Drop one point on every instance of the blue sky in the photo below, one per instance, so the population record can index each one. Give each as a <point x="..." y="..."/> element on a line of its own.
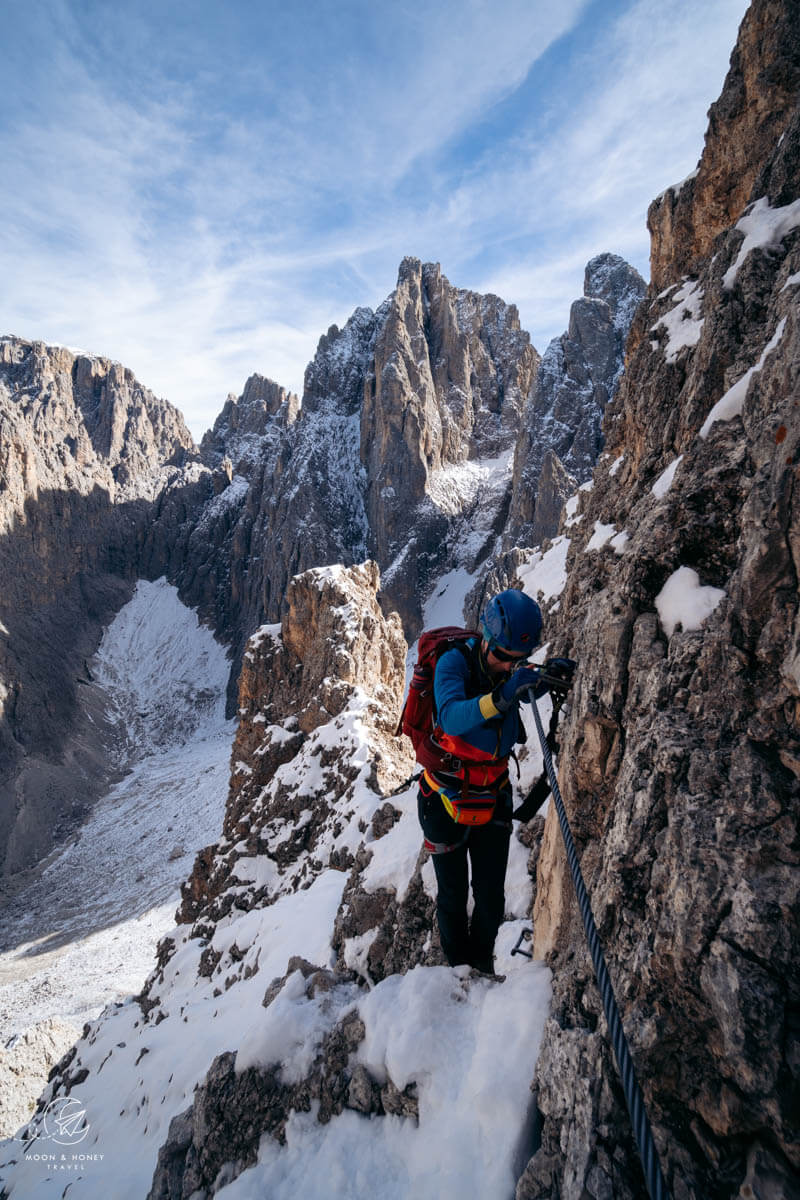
<point x="200" y="189"/>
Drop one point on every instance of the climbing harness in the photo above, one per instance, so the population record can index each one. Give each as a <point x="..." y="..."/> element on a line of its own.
<point x="633" y="1096"/>
<point x="444" y="847"/>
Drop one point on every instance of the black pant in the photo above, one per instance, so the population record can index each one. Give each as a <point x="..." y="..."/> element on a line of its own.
<point x="486" y="847"/>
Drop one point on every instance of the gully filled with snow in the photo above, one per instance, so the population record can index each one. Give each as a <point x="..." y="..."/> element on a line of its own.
<point x="83" y="932"/>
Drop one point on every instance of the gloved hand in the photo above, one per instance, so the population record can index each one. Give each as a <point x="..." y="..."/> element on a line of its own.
<point x="561" y="669"/>
<point x="518" y="684"/>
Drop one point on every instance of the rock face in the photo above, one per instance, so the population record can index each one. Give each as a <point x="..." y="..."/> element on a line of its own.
<point x="240" y="429"/>
<point x="302" y="683"/>
<point x="408" y="416"/>
<point x="680" y="762"/>
<point x="754" y="110"/>
<point x="214" y="543"/>
<point x="85" y="452"/>
<point x="561" y="434"/>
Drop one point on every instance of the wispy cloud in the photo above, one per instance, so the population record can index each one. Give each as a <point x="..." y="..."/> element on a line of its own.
<point x="199" y="191"/>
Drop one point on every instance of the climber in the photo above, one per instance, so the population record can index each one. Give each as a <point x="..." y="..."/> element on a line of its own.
<point x="464" y="799"/>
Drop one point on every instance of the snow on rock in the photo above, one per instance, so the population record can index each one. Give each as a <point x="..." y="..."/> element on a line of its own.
<point x="544" y="575"/>
<point x="684" y="601"/>
<point x="455" y="486"/>
<point x="764" y="228"/>
<point x="602" y="533"/>
<point x="732" y="403"/>
<point x="683" y="323"/>
<point x="664" y="481"/>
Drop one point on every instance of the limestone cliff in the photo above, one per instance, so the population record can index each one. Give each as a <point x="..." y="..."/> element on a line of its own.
<point x="245" y="421"/>
<point x="407" y="418"/>
<point x="333" y="663"/>
<point x="756" y="106"/>
<point x="85" y="452"/>
<point x="578" y="375"/>
<point x="680" y="761"/>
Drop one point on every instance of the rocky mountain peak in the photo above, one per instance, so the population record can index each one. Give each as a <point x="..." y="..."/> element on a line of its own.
<point x="746" y="123"/>
<point x="403" y="409"/>
<point x="619" y="285"/>
<point x="263" y="407"/>
<point x="338" y="367"/>
<point x="451" y="371"/>
<point x="578" y="375"/>
<point x="85" y="454"/>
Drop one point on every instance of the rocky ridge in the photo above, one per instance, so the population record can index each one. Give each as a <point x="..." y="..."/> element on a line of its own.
<point x="756" y="105"/>
<point x="310" y="690"/>
<point x="85" y="453"/>
<point x="561" y="434"/>
<point x="680" y="759"/>
<point x="407" y="417"/>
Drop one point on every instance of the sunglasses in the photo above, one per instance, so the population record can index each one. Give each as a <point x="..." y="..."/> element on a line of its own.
<point x="504" y="656"/>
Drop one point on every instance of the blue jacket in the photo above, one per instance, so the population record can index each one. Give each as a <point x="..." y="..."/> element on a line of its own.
<point x="457" y="687"/>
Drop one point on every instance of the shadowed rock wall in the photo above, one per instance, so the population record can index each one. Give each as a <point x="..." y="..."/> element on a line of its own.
<point x="85" y="452"/>
<point x="680" y="761"/>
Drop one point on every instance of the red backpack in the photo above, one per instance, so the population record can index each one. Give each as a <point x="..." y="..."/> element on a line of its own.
<point x="437" y="751"/>
<point x="417" y="718"/>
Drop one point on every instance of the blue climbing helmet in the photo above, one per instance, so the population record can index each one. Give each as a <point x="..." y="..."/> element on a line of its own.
<point x="512" y="621"/>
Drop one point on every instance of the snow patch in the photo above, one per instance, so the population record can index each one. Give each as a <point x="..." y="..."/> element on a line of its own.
<point x="684" y="601"/>
<point x="544" y="575"/>
<point x="682" y="323"/>
<point x="764" y="228"/>
<point x="570" y="508"/>
<point x="664" y="481"/>
<point x="161" y="669"/>
<point x="732" y="403"/>
<point x="601" y="535"/>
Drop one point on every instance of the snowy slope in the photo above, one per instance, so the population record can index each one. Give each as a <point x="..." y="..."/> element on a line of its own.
<point x="450" y="1034"/>
<point x="84" y="932"/>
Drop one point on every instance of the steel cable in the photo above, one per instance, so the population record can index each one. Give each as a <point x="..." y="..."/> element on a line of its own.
<point x="633" y="1096"/>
